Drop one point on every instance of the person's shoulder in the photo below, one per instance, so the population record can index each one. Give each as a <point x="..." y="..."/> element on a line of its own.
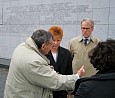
<point x="64" y="49"/>
<point x="86" y="80"/>
<point x="77" y="38"/>
<point x="95" y="39"/>
<point x="78" y="83"/>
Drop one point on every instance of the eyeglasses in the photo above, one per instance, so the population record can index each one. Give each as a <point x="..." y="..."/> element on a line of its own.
<point x="83" y="28"/>
<point x="50" y="43"/>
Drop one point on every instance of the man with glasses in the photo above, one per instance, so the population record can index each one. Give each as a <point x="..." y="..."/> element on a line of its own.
<point x="81" y="45"/>
<point x="30" y="74"/>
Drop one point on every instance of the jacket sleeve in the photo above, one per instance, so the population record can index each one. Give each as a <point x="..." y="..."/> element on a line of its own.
<point x="40" y="74"/>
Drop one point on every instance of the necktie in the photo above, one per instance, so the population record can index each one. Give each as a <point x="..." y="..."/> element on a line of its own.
<point x="85" y="41"/>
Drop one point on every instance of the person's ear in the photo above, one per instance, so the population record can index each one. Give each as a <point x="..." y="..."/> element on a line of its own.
<point x="43" y="46"/>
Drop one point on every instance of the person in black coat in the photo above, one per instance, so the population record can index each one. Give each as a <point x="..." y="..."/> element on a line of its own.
<point x="60" y="58"/>
<point x="102" y="84"/>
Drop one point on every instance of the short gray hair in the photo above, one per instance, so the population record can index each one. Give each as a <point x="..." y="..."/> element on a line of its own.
<point x="41" y="36"/>
<point x="88" y="20"/>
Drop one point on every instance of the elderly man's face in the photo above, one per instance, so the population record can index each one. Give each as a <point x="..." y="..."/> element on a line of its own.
<point x="47" y="47"/>
<point x="86" y="28"/>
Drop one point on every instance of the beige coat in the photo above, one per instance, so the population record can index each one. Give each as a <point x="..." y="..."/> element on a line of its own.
<point x="30" y="76"/>
<point x="80" y="54"/>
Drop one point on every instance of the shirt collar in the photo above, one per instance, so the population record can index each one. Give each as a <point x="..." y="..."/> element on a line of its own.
<point x="89" y="38"/>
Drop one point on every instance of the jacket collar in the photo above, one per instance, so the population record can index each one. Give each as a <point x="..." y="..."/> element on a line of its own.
<point x="30" y="43"/>
<point x="60" y="51"/>
<point x="80" y="38"/>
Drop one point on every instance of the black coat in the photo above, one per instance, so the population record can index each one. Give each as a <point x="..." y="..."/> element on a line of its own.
<point x="63" y="66"/>
<point x="101" y="85"/>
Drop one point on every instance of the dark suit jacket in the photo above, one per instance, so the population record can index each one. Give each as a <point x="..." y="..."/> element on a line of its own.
<point x="63" y="66"/>
<point x="101" y="85"/>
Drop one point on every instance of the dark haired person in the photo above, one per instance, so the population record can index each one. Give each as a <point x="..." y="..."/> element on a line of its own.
<point x="102" y="84"/>
<point x="60" y="58"/>
<point x="30" y="75"/>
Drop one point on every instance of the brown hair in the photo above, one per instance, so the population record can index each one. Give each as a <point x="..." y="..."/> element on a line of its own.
<point x="56" y="31"/>
<point x="103" y="55"/>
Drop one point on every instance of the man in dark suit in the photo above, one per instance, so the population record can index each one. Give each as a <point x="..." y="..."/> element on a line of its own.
<point x="60" y="58"/>
<point x="102" y="84"/>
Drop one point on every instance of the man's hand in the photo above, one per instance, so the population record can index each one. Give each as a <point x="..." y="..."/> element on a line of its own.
<point x="51" y="66"/>
<point x="81" y="71"/>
